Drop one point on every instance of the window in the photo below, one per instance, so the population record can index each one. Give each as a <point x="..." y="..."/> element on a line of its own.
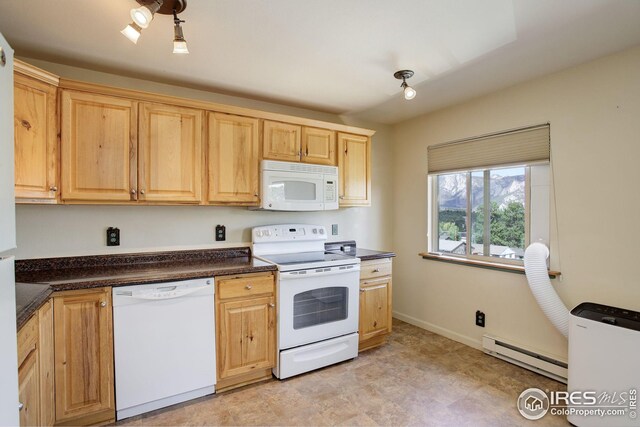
<point x="490" y="213"/>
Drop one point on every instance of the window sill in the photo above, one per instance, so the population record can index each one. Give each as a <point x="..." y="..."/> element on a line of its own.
<point x="481" y="264"/>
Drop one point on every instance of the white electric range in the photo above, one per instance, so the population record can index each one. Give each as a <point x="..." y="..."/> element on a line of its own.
<point x="318" y="297"/>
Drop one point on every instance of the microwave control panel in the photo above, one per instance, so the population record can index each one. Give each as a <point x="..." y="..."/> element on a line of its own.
<point x="330" y="190"/>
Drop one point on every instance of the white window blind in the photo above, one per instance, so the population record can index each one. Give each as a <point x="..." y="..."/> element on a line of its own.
<point x="515" y="147"/>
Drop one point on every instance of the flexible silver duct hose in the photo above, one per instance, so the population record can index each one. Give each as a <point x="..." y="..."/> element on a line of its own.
<point x="535" y="267"/>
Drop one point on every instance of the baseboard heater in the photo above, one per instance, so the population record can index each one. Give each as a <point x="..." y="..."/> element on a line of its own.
<point x="527" y="359"/>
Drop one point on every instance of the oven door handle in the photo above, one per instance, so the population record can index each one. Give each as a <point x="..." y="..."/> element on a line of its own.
<point x="316" y="272"/>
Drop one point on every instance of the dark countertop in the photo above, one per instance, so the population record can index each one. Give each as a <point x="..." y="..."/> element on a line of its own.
<point x="29" y="298"/>
<point x="61" y="274"/>
<point x="349" y="248"/>
<point x="369" y="254"/>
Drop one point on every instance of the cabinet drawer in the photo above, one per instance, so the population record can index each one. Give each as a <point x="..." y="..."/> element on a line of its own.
<point x="245" y="286"/>
<point x="27" y="339"/>
<point x="377" y="268"/>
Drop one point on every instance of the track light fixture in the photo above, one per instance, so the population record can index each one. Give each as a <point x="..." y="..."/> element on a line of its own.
<point x="143" y="15"/>
<point x="132" y="32"/>
<point x="179" y="43"/>
<point x="409" y="92"/>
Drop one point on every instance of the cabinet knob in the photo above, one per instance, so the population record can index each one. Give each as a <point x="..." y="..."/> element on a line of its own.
<point x="341" y="197"/>
<point x="141" y="191"/>
<point x="103" y="304"/>
<point x="248" y="287"/>
<point x="376" y="270"/>
<point x="361" y="290"/>
<point x="299" y="153"/>
<point x="53" y="188"/>
<point x="272" y="305"/>
<point x="133" y="191"/>
<point x="255" y="194"/>
<point x="25" y="124"/>
<point x="20" y="406"/>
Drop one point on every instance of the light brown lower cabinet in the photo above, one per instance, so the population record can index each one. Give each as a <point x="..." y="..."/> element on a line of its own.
<point x="83" y="333"/>
<point x="35" y="371"/>
<point x="46" y="358"/>
<point x="29" y="390"/>
<point x="375" y="303"/>
<point x="246" y="329"/>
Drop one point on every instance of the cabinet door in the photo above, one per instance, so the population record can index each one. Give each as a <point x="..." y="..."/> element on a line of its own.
<point x="375" y="308"/>
<point x="233" y="159"/>
<point x="247" y="337"/>
<point x="281" y="141"/>
<point x="84" y="387"/>
<point x="46" y="364"/>
<point x="319" y="146"/>
<point x="354" y="168"/>
<point x="35" y="138"/>
<point x="98" y="143"/>
<point x="169" y="153"/>
<point x="29" y="390"/>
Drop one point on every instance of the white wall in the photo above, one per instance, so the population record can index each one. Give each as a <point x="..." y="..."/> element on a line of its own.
<point x="594" y="111"/>
<point x="64" y="230"/>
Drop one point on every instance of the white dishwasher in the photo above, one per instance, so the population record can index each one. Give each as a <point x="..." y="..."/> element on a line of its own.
<point x="164" y="344"/>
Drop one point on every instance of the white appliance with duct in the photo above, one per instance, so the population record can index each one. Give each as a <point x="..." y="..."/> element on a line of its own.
<point x="604" y="343"/>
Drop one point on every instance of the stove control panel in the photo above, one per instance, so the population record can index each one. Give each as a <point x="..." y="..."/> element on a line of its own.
<point x="288" y="233"/>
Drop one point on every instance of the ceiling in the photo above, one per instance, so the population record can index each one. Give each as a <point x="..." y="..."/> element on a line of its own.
<point x="333" y="56"/>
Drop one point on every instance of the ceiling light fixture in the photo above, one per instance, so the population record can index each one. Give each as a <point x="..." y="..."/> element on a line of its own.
<point x="132" y="32"/>
<point x="179" y="43"/>
<point x="143" y="15"/>
<point x="409" y="92"/>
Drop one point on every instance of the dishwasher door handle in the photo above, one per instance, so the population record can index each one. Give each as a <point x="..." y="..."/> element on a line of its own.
<point x="160" y="293"/>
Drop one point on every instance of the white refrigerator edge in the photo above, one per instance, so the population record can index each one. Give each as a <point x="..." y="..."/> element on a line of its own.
<point x="9" y="414"/>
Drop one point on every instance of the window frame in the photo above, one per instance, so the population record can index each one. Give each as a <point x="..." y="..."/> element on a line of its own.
<point x="433" y="214"/>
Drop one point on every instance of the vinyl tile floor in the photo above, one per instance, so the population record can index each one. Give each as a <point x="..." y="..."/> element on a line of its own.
<point x="417" y="379"/>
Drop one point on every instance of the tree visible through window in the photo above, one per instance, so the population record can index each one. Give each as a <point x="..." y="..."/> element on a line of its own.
<point x="463" y="201"/>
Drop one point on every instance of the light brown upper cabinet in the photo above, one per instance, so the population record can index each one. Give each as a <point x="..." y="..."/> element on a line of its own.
<point x="319" y="146"/>
<point x="85" y="143"/>
<point x="354" y="168"/>
<point x="36" y="140"/>
<point x="294" y="143"/>
<point x="281" y="141"/>
<point x="233" y="159"/>
<point x="169" y="153"/>
<point x="99" y="150"/>
<point x="118" y="150"/>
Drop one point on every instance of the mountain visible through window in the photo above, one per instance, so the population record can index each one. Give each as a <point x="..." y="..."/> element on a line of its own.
<point x="483" y="213"/>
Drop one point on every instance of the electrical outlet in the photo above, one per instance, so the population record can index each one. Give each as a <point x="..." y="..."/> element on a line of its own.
<point x="113" y="236"/>
<point x="334" y="229"/>
<point x="480" y="318"/>
<point x="221" y="233"/>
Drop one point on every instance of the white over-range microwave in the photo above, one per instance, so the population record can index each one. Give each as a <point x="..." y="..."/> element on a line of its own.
<point x="288" y="186"/>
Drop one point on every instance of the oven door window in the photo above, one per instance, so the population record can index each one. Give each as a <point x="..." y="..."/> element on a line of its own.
<point x="289" y="191"/>
<point x="320" y="306"/>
